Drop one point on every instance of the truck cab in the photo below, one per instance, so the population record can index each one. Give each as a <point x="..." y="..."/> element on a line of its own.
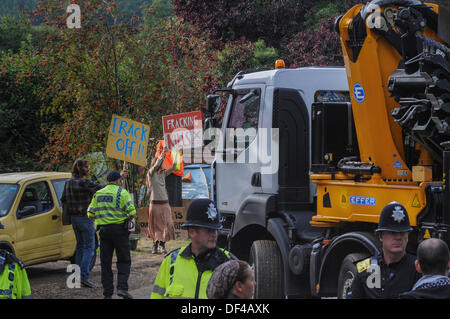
<point x="284" y="128"/>
<point x="260" y="172"/>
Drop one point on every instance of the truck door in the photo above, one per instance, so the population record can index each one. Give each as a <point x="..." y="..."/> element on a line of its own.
<point x="237" y="163"/>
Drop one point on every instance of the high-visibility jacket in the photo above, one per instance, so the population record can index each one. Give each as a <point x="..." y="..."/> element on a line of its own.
<point x="170" y="157"/>
<point x="111" y="205"/>
<point x="14" y="282"/>
<point x="182" y="275"/>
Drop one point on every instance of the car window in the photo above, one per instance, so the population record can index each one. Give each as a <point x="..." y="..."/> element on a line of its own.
<point x="197" y="187"/>
<point x="37" y="195"/>
<point x="8" y="193"/>
<point x="207" y="173"/>
<point x="58" y="185"/>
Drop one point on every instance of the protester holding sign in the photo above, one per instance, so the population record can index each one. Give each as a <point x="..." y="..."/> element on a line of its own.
<point x="160" y="224"/>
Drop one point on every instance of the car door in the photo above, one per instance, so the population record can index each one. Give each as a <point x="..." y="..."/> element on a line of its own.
<point x="38" y="224"/>
<point x="68" y="240"/>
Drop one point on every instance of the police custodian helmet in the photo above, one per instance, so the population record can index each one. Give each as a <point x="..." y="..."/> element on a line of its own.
<point x="202" y="213"/>
<point x="394" y="218"/>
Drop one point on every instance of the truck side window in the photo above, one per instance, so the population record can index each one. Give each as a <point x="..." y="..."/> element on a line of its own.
<point x="324" y="96"/>
<point x="244" y="115"/>
<point x="37" y="195"/>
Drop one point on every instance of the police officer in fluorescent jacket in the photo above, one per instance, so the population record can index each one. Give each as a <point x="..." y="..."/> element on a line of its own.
<point x="111" y="207"/>
<point x="13" y="277"/>
<point x="185" y="272"/>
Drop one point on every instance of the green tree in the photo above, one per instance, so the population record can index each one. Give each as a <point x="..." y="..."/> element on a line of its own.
<point x="14" y="31"/>
<point x="16" y="7"/>
<point x="20" y="102"/>
<point x="115" y="66"/>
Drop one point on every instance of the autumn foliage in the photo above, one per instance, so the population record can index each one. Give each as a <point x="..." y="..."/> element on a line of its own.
<point x="301" y="31"/>
<point x="149" y="65"/>
<point x="113" y="67"/>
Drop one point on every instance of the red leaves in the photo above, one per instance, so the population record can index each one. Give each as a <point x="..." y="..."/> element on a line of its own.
<point x="315" y="47"/>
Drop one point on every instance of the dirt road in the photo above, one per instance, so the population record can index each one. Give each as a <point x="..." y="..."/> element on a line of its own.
<point x="48" y="281"/>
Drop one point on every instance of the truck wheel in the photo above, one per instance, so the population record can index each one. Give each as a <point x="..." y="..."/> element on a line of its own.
<point x="347" y="273"/>
<point x="265" y="258"/>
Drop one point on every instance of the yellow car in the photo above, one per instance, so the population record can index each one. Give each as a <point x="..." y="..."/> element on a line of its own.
<point x="31" y="217"/>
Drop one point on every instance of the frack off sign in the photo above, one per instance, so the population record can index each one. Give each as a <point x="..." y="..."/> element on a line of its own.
<point x="128" y="140"/>
<point x="183" y="131"/>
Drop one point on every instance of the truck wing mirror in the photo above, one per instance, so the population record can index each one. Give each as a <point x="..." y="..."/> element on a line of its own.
<point x="208" y="130"/>
<point x="212" y="103"/>
<point x="248" y="96"/>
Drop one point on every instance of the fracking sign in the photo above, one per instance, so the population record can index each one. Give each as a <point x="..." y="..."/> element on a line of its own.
<point x="183" y="131"/>
<point x="128" y="140"/>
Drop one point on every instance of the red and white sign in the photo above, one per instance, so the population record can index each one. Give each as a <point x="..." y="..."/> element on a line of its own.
<point x="183" y="131"/>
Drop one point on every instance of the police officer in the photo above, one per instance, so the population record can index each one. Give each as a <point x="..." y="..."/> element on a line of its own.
<point x="397" y="273"/>
<point x="111" y="208"/>
<point x="13" y="277"/>
<point x="185" y="272"/>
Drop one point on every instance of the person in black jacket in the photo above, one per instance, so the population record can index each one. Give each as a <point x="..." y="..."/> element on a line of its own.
<point x="76" y="197"/>
<point x="434" y="263"/>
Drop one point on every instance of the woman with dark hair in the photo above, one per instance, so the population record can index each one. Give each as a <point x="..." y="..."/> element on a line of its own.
<point x="232" y="280"/>
<point x="160" y="224"/>
<point x="76" y="197"/>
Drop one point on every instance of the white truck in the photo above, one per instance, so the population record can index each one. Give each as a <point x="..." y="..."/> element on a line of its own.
<point x="260" y="173"/>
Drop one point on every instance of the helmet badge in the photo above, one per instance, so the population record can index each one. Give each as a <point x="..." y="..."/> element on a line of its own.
<point x="398" y="214"/>
<point x="212" y="212"/>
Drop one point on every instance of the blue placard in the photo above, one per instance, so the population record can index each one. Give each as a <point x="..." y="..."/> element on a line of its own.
<point x="358" y="92"/>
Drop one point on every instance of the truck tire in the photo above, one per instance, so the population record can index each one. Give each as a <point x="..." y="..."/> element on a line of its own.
<point x="347" y="273"/>
<point x="265" y="258"/>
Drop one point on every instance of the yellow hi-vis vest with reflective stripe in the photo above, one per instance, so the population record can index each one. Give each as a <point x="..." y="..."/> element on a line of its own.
<point x="179" y="278"/>
<point x="111" y="205"/>
<point x="177" y="155"/>
<point x="14" y="282"/>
